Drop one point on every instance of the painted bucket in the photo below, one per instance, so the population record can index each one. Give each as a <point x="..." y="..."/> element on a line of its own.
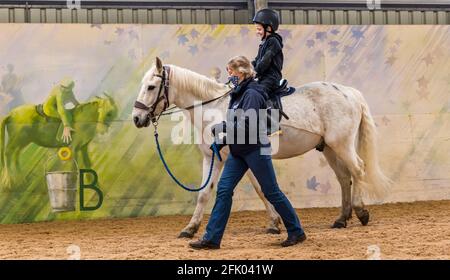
<point x="62" y="190"/>
<point x="62" y="186"/>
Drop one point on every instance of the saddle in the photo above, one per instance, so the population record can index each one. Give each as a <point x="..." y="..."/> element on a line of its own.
<point x="274" y="103"/>
<point x="40" y="110"/>
<point x="284" y="89"/>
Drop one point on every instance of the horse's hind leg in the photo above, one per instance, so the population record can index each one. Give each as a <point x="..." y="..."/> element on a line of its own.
<point x="274" y="218"/>
<point x="344" y="178"/>
<point x="12" y="168"/>
<point x="16" y="160"/>
<point x="358" y="206"/>
<point x="347" y="153"/>
<point x="203" y="198"/>
<point x="6" y="170"/>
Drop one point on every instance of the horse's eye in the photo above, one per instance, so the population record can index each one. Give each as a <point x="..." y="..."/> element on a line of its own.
<point x="151" y="88"/>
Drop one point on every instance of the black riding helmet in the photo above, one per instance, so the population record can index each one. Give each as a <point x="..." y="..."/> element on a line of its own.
<point x="267" y="17"/>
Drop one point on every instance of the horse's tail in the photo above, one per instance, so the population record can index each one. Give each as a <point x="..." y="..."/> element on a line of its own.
<point x="2" y="142"/>
<point x="377" y="185"/>
<point x="4" y="173"/>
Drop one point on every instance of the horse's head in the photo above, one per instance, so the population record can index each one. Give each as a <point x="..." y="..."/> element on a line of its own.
<point x="151" y="101"/>
<point x="107" y="113"/>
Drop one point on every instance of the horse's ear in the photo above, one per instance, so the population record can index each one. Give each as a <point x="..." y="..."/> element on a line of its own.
<point x="159" y="65"/>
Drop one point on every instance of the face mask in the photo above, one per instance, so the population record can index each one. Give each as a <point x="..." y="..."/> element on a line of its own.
<point x="234" y="80"/>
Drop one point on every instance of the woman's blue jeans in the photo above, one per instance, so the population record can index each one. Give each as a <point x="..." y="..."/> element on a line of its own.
<point x="234" y="169"/>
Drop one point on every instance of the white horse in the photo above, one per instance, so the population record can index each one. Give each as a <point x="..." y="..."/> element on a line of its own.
<point x="319" y="111"/>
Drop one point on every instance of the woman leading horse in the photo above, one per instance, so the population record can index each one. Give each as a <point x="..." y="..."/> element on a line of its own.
<point x="247" y="95"/>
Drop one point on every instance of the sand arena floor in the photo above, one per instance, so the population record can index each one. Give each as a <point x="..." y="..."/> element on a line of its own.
<point x="419" y="230"/>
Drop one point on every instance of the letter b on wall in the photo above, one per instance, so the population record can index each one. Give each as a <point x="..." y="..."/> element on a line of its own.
<point x="93" y="186"/>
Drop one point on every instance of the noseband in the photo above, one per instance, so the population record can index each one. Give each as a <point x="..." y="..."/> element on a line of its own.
<point x="161" y="97"/>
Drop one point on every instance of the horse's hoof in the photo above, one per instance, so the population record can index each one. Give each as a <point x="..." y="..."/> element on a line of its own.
<point x="339" y="224"/>
<point x="273" y="231"/>
<point x="185" y="234"/>
<point x="364" y="218"/>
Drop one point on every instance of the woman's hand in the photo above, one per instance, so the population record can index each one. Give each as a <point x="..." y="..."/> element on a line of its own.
<point x="67" y="135"/>
<point x="218" y="128"/>
<point x="217" y="147"/>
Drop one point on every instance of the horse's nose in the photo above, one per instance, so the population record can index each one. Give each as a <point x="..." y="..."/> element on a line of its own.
<point x="136" y="120"/>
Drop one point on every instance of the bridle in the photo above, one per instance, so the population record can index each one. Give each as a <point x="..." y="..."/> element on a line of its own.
<point x="151" y="109"/>
<point x="165" y="97"/>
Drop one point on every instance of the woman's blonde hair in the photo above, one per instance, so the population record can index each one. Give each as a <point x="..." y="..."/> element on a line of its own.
<point x="243" y="65"/>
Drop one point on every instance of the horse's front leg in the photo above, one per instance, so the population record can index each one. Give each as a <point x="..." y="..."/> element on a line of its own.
<point x="82" y="155"/>
<point x="203" y="197"/>
<point x="274" y="218"/>
<point x="85" y="156"/>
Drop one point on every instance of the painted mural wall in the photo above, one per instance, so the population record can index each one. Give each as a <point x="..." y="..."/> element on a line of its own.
<point x="403" y="72"/>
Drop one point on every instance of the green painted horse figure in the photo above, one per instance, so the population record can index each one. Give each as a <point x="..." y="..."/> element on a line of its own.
<point x="27" y="124"/>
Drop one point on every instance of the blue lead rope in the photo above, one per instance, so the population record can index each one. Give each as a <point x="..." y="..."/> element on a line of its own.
<point x="173" y="177"/>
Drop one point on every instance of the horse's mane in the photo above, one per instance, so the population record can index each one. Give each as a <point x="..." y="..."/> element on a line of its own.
<point x="93" y="101"/>
<point x="201" y="86"/>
